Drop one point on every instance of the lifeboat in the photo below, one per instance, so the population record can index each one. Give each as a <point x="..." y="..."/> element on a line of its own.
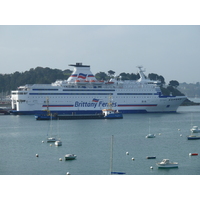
<point x="102" y="81"/>
<point x="109" y="82"/>
<point x="96" y="82"/>
<point x="80" y="82"/>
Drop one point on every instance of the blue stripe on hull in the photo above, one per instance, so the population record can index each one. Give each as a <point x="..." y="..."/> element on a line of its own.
<point x="82" y="112"/>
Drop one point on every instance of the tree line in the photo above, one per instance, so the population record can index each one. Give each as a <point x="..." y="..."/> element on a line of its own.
<point x="191" y="90"/>
<point x="41" y="75"/>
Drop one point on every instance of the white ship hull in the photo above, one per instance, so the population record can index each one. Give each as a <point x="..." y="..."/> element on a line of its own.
<point x="91" y="97"/>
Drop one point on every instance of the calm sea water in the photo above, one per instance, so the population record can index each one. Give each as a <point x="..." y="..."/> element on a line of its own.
<point x="21" y="139"/>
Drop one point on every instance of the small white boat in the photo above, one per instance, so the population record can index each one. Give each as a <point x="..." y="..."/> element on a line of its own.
<point x="195" y="129"/>
<point x="151" y="136"/>
<point x="166" y="164"/>
<point x="193" y="135"/>
<point x="51" y="139"/>
<point x="70" y="156"/>
<point x="58" y="143"/>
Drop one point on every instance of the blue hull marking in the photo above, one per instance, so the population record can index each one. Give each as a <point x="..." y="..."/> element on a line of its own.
<point x="81" y="112"/>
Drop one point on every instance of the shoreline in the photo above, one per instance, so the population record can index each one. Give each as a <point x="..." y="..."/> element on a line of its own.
<point x="188" y="102"/>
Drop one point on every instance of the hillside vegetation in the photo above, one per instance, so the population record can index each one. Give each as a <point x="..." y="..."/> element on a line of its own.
<point x="41" y="75"/>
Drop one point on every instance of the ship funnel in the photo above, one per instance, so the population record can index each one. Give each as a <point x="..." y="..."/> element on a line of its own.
<point x="81" y="72"/>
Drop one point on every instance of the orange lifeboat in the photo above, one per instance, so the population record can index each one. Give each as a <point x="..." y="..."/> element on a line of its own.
<point x="96" y="82"/>
<point x="80" y="82"/>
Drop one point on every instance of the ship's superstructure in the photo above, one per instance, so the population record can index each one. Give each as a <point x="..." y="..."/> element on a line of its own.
<point x="83" y="93"/>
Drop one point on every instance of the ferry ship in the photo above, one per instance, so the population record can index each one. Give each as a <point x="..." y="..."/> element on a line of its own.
<point x="82" y="93"/>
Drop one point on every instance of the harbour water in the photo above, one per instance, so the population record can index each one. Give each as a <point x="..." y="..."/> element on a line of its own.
<point x="21" y="139"/>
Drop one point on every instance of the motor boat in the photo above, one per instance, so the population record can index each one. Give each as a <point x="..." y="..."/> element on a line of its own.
<point x="109" y="113"/>
<point x="193" y="137"/>
<point x="70" y="156"/>
<point x="51" y="139"/>
<point x="112" y="114"/>
<point x="195" y="129"/>
<point x="165" y="163"/>
<point x="58" y="143"/>
<point x="151" y="136"/>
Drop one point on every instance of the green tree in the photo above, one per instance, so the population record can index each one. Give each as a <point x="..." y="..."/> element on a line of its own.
<point x="127" y="76"/>
<point x="101" y="76"/>
<point x="174" y="91"/>
<point x="111" y="73"/>
<point x="123" y="76"/>
<point x="174" y="83"/>
<point x="41" y="75"/>
<point x="156" y="77"/>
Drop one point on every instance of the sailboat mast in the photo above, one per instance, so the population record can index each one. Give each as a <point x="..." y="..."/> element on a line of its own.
<point x="149" y="126"/>
<point x="110" y="101"/>
<point x="111" y="158"/>
<point x="111" y="155"/>
<point x="191" y="120"/>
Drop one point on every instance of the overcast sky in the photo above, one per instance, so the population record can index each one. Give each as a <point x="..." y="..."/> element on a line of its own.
<point x="170" y="51"/>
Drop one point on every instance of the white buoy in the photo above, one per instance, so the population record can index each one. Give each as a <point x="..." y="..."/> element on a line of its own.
<point x="179" y="129"/>
<point x="180" y="135"/>
<point x="42" y="141"/>
<point x="36" y="155"/>
<point x="151" y="167"/>
<point x="159" y="134"/>
<point x="60" y="159"/>
<point x="67" y="173"/>
<point x="127" y="153"/>
<point x="50" y="145"/>
<point x="133" y="158"/>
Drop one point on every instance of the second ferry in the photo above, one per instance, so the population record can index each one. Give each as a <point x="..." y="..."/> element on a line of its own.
<point x="82" y="93"/>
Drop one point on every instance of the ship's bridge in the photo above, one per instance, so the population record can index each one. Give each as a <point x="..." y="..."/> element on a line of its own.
<point x="26" y="87"/>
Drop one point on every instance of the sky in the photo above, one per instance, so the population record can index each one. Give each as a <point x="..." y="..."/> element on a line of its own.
<point x="107" y="35"/>
<point x="170" y="51"/>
